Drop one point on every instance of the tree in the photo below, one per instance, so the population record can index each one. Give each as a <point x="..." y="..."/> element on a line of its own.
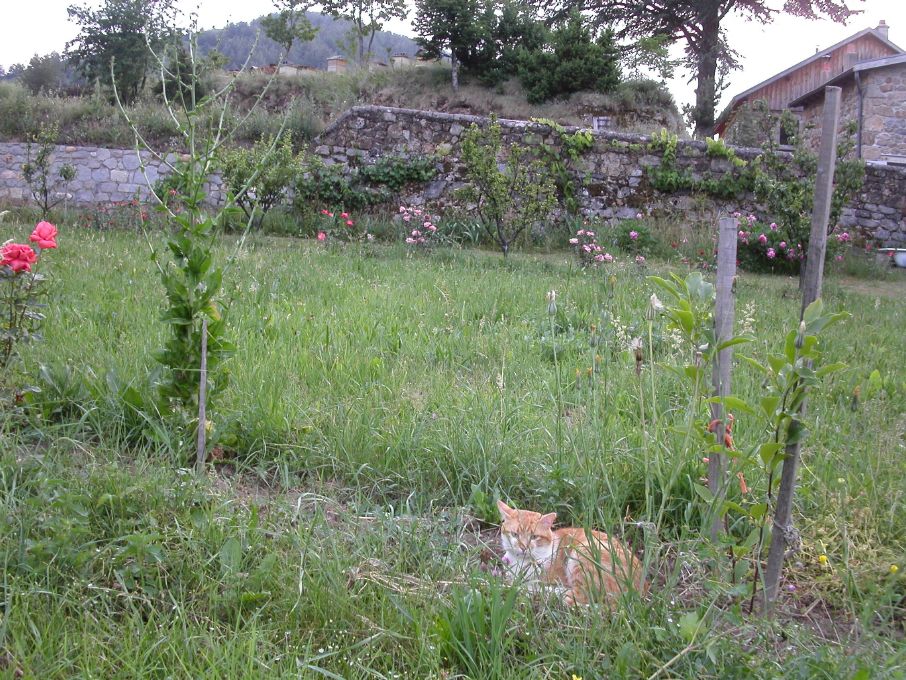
<point x="510" y="190"/>
<point x="118" y="33"/>
<point x="289" y="24"/>
<point x="43" y="74"/>
<point x="572" y="60"/>
<point x="698" y="24"/>
<point x="367" y="17"/>
<point x="452" y="26"/>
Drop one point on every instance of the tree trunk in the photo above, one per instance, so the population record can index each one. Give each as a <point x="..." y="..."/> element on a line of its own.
<point x="706" y="54"/>
<point x="454" y="65"/>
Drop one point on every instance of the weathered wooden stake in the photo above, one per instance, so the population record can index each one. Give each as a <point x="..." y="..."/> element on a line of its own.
<point x="201" y="452"/>
<point x="783" y="533"/>
<point x="724" y="314"/>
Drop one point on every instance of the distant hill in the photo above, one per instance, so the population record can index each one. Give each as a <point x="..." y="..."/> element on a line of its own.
<point x="236" y="40"/>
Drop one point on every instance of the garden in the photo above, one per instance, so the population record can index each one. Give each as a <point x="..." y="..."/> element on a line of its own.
<point x="228" y="452"/>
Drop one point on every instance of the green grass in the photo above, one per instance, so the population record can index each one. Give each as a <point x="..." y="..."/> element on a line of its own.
<point x="375" y="400"/>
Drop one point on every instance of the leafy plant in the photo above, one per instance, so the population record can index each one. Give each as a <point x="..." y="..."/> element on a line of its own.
<point x="259" y="177"/>
<point x="46" y="186"/>
<point x="510" y="190"/>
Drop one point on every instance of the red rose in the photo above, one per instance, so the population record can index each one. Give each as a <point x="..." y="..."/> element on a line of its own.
<point x="44" y="235"/>
<point x="18" y="257"/>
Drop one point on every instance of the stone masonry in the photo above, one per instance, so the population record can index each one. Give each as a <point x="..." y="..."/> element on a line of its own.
<point x="102" y="176"/>
<point x="612" y="175"/>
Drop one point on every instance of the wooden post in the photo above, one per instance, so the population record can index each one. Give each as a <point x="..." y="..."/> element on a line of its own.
<point x="783" y="533"/>
<point x="201" y="450"/>
<point x="724" y="314"/>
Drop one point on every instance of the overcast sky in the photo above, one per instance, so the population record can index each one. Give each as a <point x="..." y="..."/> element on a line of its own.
<point x="40" y="26"/>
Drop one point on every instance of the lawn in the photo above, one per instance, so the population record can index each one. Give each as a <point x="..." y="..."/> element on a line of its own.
<point x="378" y="403"/>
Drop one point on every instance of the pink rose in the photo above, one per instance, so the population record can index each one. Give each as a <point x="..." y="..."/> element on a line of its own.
<point x="640" y="259"/>
<point x="773" y="226"/>
<point x="839" y="258"/>
<point x="608" y="257"/>
<point x="18" y="257"/>
<point x="574" y="241"/>
<point x="762" y="239"/>
<point x="349" y="223"/>
<point x="633" y="235"/>
<point x="45" y="234"/>
<point x="771" y="253"/>
<point x="581" y="232"/>
<point x="344" y="215"/>
<point x="782" y="245"/>
<point x="599" y="258"/>
<point x="322" y="236"/>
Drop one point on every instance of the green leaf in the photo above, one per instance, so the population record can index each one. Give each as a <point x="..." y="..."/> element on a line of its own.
<point x="738" y="340"/>
<point x="732" y="403"/>
<point x="704" y="492"/>
<point x="813" y="311"/>
<point x="230" y="556"/>
<point x="689" y="624"/>
<point x="769" y="404"/>
<point x="768" y="451"/>
<point x="777" y="363"/>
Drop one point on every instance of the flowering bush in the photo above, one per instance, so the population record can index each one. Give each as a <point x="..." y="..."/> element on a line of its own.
<point x="589" y="252"/>
<point x="421" y="232"/>
<point x="21" y="292"/>
<point x="634" y="237"/>
<point x="339" y="226"/>
<point x="771" y="247"/>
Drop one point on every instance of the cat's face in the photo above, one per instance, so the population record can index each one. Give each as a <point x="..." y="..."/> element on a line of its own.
<point x="526" y="536"/>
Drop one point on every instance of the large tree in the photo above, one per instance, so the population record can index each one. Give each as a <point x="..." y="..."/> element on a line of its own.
<point x="118" y="33"/>
<point x="449" y="27"/>
<point x="698" y="24"/>
<point x="367" y="17"/>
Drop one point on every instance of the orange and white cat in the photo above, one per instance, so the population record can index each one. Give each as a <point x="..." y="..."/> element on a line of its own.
<point x="582" y="565"/>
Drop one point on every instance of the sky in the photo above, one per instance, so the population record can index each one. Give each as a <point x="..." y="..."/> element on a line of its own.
<point x="42" y="26"/>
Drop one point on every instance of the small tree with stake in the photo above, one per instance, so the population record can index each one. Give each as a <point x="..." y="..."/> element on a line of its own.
<point x="510" y="190"/>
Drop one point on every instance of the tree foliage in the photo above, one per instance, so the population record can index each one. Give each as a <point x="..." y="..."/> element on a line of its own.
<point x="367" y="17"/>
<point x="697" y="23"/>
<point x="511" y="191"/>
<point x="571" y="60"/>
<point x="451" y="27"/>
<point x="117" y="36"/>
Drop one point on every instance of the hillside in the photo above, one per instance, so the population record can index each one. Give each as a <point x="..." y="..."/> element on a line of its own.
<point x="235" y="41"/>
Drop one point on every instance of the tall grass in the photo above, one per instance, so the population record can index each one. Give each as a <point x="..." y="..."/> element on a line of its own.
<point x="382" y="393"/>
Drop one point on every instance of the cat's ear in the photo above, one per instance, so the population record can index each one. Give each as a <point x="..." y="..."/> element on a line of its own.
<point x="505" y="510"/>
<point x="547" y="521"/>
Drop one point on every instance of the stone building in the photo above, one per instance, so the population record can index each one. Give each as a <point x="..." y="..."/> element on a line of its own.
<point x="874" y="98"/>
<point x="743" y="121"/>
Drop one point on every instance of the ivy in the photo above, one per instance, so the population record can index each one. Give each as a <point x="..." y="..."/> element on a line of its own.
<point x="575" y="144"/>
<point x="363" y="187"/>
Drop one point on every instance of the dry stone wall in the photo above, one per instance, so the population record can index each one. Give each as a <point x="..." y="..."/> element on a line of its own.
<point x="102" y="176"/>
<point x="612" y="176"/>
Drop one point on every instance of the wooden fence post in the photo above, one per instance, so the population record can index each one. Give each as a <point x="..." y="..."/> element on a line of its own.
<point x="201" y="448"/>
<point x="724" y="314"/>
<point x="783" y="533"/>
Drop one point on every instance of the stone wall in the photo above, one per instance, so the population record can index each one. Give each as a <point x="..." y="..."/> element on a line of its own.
<point x="612" y="175"/>
<point x="613" y="172"/>
<point x="101" y="175"/>
<point x="883" y="112"/>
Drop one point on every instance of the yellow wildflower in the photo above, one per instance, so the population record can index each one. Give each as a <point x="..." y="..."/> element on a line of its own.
<point x="894" y="569"/>
<point x="822" y="560"/>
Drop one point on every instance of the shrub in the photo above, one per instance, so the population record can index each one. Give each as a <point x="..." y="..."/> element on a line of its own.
<point x="258" y="178"/>
<point x="21" y="291"/>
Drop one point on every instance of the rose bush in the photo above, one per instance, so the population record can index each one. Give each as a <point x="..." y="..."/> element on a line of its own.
<point x="22" y="290"/>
